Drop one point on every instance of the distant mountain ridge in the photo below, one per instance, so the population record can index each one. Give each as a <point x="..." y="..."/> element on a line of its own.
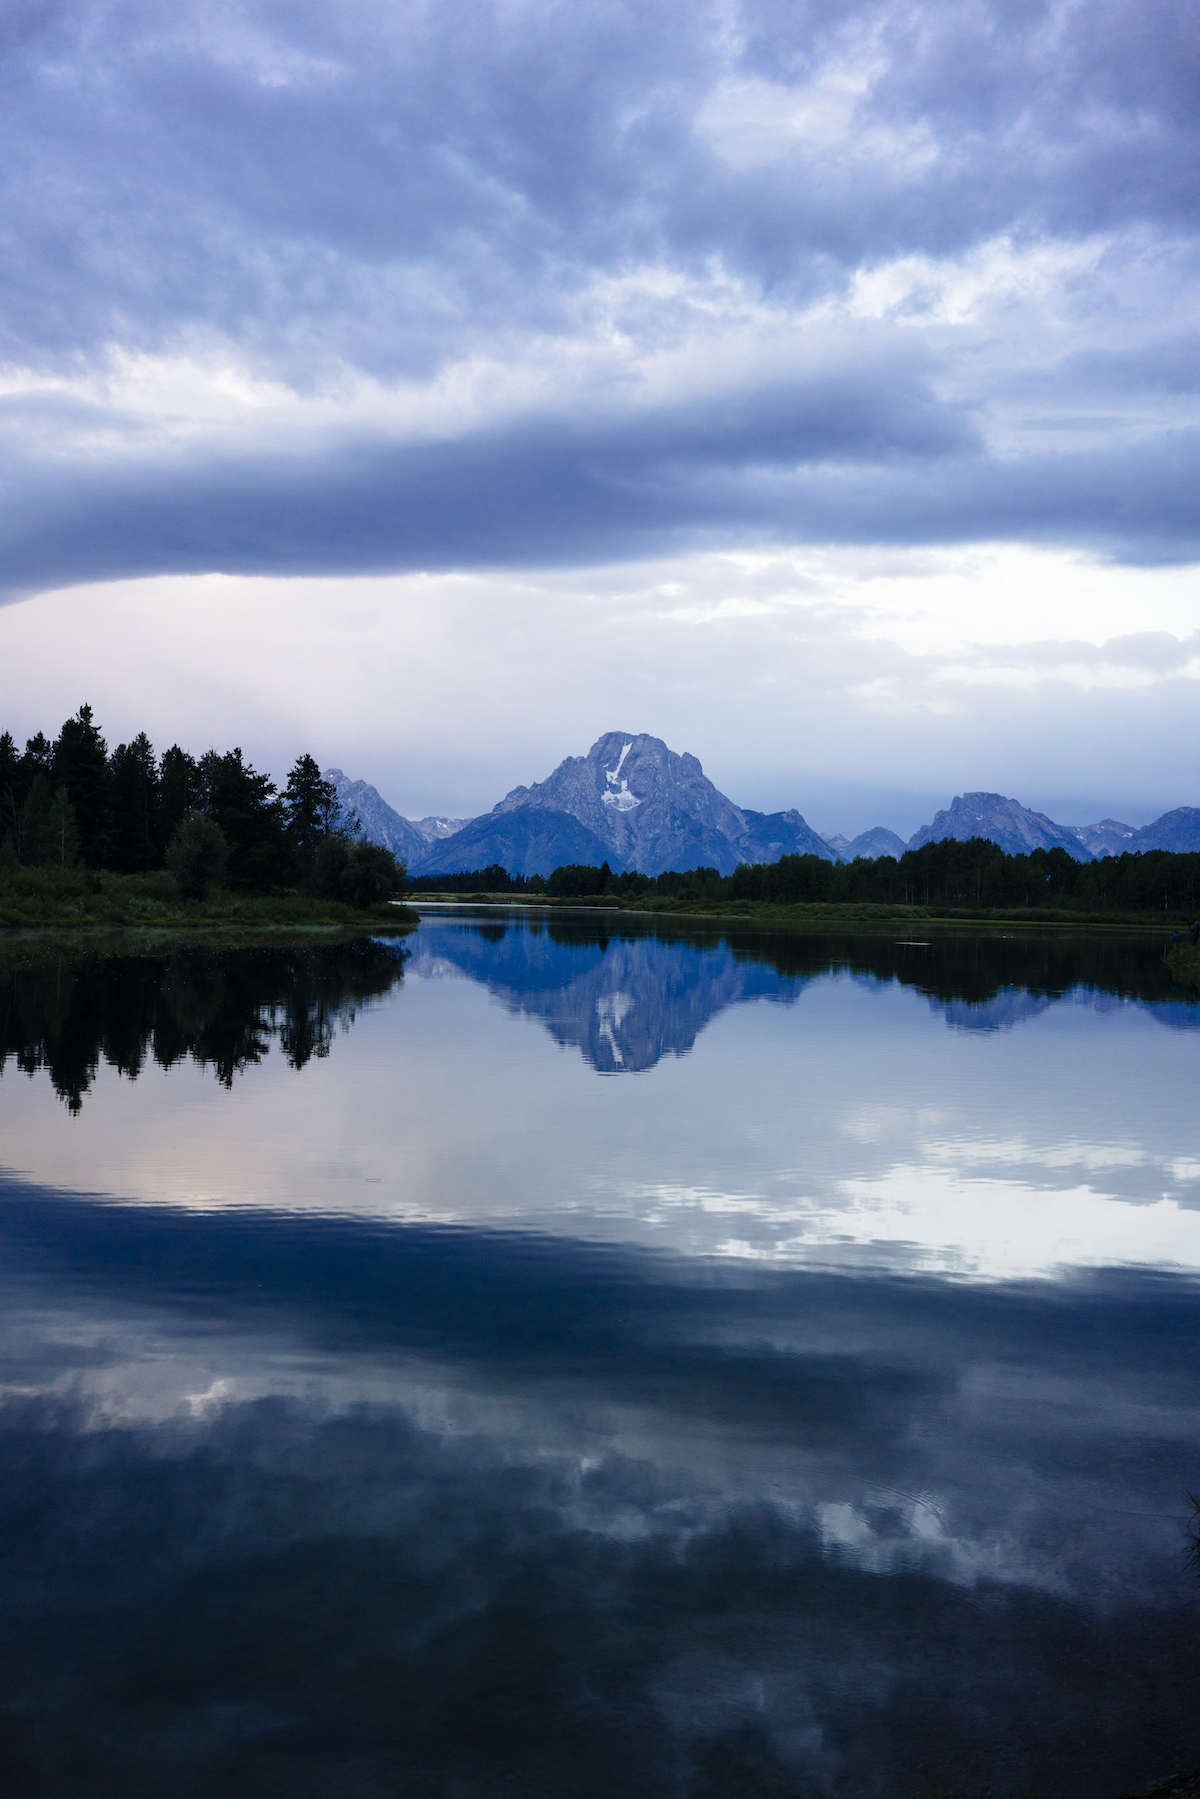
<point x="1014" y="827"/>
<point x="878" y="841"/>
<point x="1018" y="830"/>
<point x="380" y="822"/>
<point x="1109" y="838"/>
<point x="433" y="829"/>
<point x="635" y="803"/>
<point x="407" y="837"/>
<point x="1178" y="830"/>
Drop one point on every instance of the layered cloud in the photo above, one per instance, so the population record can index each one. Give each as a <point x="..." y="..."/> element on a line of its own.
<point x="317" y="290"/>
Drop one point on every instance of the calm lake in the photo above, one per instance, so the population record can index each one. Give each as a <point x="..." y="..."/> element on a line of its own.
<point x="582" y="1356"/>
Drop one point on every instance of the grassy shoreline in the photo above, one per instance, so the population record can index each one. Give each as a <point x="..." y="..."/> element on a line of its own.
<point x="31" y="900"/>
<point x="820" y="913"/>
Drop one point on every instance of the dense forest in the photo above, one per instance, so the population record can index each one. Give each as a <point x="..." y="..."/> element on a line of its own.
<point x="973" y="874"/>
<point x="210" y="821"/>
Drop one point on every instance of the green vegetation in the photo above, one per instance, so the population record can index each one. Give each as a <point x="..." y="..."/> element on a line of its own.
<point x="1183" y="959"/>
<point x="78" y="897"/>
<point x="577" y="881"/>
<point x="492" y="879"/>
<point x="951" y="879"/>
<point x="92" y="838"/>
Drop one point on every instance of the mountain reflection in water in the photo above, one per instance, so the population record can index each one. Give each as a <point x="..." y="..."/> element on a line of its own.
<point x="627" y="993"/>
<point x="419" y="1414"/>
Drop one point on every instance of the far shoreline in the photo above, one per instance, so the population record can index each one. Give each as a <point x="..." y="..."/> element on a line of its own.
<point x="813" y="913"/>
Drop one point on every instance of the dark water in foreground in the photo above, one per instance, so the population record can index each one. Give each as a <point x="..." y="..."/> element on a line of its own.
<point x="577" y="1361"/>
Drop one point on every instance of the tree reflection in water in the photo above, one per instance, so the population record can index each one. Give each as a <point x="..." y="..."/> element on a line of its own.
<point x="221" y="1006"/>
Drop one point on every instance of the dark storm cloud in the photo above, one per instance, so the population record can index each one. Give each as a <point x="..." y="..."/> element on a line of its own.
<point x="322" y="193"/>
<point x="532" y="495"/>
<point x="556" y="497"/>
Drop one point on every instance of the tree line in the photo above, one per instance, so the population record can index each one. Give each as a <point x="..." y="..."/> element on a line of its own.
<point x="971" y="873"/>
<point x="492" y="879"/>
<point x="210" y="821"/>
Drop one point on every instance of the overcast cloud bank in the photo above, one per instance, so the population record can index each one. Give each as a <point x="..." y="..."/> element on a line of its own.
<point x="295" y="291"/>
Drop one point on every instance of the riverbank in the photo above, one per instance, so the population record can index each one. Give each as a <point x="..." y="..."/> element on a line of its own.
<point x="83" y="899"/>
<point x="819" y="913"/>
<point x="45" y="945"/>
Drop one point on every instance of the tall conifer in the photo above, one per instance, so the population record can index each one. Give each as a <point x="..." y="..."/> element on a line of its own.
<point x="81" y="766"/>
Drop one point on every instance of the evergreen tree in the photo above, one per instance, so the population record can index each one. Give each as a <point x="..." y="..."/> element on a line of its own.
<point x="62" y="833"/>
<point x="38" y="758"/>
<point x="49" y="833"/>
<point x="135" y="803"/>
<point x="12" y="794"/>
<point x="250" y="814"/>
<point x="81" y="766"/>
<point x="178" y="792"/>
<point x="312" y="810"/>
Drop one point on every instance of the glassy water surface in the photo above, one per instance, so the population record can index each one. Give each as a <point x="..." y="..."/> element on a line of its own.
<point x="577" y="1356"/>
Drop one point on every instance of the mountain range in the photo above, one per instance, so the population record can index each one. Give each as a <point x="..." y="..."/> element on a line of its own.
<point x="1018" y="830"/>
<point x="1013" y="826"/>
<point x="634" y="803"/>
<point x="630" y="802"/>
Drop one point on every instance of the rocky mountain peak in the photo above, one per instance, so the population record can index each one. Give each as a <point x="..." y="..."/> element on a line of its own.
<point x="631" y="801"/>
<point x="632" y="790"/>
<point x="1005" y="821"/>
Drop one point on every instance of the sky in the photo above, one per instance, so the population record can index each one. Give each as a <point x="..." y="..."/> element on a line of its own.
<point x="436" y="387"/>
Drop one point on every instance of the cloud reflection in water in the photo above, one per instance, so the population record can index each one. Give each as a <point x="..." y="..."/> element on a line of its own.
<point x="312" y="1506"/>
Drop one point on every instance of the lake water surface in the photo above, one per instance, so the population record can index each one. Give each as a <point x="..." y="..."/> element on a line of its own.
<point x="577" y="1356"/>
